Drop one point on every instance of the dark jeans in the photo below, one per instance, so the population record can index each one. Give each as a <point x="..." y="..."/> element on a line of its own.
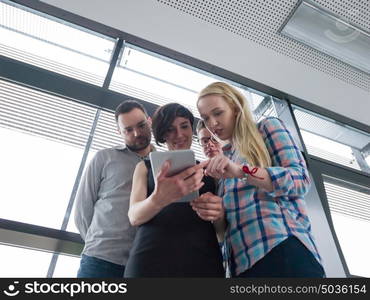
<point x="92" y="267"/>
<point x="288" y="259"/>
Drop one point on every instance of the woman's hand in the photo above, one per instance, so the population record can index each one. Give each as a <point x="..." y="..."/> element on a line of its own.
<point x="209" y="207"/>
<point x="169" y="189"/>
<point x="222" y="167"/>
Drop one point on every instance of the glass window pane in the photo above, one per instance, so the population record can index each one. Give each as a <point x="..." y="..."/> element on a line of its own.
<point x="350" y="210"/>
<point x="43" y="139"/>
<point x="255" y="100"/>
<point x="164" y="70"/>
<point x="330" y="140"/>
<point x="105" y="136"/>
<point x="368" y="160"/>
<point x="157" y="79"/>
<point x="67" y="266"/>
<point x="365" y="151"/>
<point x="21" y="262"/>
<point x="329" y="149"/>
<point x="356" y="248"/>
<point x="322" y="233"/>
<point x="53" y="44"/>
<point x="71" y="226"/>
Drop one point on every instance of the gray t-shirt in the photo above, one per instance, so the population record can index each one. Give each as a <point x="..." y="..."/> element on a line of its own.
<point x="102" y="203"/>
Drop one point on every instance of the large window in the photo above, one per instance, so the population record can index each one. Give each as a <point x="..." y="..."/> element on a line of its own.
<point x="330" y="140"/>
<point x="48" y="140"/>
<point x="43" y="139"/>
<point x="21" y="262"/>
<point x="157" y="79"/>
<point x="105" y="136"/>
<point x="53" y="44"/>
<point x="66" y="266"/>
<point x="350" y="211"/>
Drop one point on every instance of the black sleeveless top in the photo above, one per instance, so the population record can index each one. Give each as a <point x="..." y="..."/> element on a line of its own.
<point x="175" y="242"/>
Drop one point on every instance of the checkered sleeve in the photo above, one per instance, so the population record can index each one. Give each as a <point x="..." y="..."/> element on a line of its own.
<point x="288" y="173"/>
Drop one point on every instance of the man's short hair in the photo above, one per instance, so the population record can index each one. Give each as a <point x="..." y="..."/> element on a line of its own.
<point x="200" y="126"/>
<point x="127" y="106"/>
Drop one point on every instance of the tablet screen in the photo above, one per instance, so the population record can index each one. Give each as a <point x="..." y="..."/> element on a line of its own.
<point x="180" y="160"/>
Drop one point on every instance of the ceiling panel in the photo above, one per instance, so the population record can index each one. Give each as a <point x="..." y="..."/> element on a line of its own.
<point x="260" y="21"/>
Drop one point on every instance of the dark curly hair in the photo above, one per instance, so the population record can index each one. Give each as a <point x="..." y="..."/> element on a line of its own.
<point x="164" y="116"/>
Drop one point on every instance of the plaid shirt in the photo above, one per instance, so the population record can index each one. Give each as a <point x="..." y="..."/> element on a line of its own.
<point x="260" y="220"/>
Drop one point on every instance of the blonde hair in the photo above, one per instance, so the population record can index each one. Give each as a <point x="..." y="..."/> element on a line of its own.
<point x="246" y="138"/>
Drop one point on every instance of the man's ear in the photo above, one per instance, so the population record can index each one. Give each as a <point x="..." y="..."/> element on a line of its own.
<point x="149" y="120"/>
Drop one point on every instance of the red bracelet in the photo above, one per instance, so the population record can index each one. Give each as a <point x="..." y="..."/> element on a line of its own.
<point x="246" y="170"/>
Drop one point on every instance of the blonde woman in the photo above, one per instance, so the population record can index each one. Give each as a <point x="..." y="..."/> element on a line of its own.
<point x="265" y="179"/>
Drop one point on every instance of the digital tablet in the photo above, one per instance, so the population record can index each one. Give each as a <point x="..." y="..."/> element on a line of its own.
<point x="180" y="160"/>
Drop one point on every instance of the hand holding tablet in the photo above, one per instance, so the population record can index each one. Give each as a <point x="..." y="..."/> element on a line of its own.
<point x="185" y="175"/>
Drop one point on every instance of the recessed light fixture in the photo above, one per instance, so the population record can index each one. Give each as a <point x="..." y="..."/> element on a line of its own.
<point x="322" y="30"/>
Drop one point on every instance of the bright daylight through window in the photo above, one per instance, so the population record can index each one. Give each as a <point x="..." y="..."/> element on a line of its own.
<point x="48" y="43"/>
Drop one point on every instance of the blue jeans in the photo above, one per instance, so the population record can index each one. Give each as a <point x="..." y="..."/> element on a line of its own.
<point x="288" y="259"/>
<point x="92" y="267"/>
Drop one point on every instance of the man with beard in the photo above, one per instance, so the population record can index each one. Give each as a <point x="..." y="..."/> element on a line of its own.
<point x="103" y="196"/>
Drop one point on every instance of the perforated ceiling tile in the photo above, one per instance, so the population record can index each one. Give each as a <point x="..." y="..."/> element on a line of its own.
<point x="260" y="20"/>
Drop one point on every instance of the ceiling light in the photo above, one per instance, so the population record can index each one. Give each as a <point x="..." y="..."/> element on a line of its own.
<point x="318" y="28"/>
